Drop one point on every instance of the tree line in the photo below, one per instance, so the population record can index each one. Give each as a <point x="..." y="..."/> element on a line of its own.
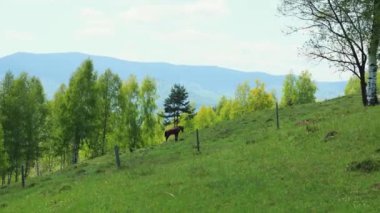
<point x="296" y="90"/>
<point x="83" y="119"/>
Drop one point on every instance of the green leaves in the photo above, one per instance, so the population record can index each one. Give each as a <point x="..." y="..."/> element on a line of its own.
<point x="177" y="103"/>
<point x="299" y="90"/>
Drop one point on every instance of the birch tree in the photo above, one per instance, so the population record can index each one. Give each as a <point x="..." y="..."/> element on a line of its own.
<point x="109" y="86"/>
<point x="148" y="106"/>
<point x="373" y="51"/>
<point x="130" y="113"/>
<point x="81" y="106"/>
<point x="339" y="33"/>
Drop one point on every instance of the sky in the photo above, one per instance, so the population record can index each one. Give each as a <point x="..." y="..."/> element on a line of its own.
<point x="246" y="35"/>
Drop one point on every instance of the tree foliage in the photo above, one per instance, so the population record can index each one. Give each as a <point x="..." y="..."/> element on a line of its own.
<point x="149" y="123"/>
<point x="176" y="104"/>
<point x="81" y="107"/>
<point x="205" y="117"/>
<point x="130" y="112"/>
<point x="289" y="90"/>
<point x="108" y="87"/>
<point x="259" y="99"/>
<point x="306" y="88"/>
<point x="298" y="90"/>
<point x="339" y="32"/>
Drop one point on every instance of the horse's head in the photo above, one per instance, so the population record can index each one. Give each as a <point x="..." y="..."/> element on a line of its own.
<point x="181" y="128"/>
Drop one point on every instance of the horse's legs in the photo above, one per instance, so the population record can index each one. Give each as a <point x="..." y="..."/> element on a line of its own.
<point x="176" y="136"/>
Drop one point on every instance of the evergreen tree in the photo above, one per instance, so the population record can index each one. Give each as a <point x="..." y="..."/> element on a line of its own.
<point x="176" y="104"/>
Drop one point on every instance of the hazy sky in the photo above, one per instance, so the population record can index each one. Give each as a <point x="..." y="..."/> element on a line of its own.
<point x="241" y="34"/>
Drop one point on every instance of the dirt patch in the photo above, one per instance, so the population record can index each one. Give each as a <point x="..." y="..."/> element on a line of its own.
<point x="366" y="166"/>
<point x="32" y="185"/>
<point x="311" y="128"/>
<point x="250" y="141"/>
<point x="376" y="186"/>
<point x="65" y="188"/>
<point x="100" y="171"/>
<point x="330" y="135"/>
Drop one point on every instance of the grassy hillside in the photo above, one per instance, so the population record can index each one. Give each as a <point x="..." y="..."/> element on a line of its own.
<point x="246" y="165"/>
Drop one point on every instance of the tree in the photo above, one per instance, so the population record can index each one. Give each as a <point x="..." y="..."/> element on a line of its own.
<point x="130" y="112"/>
<point x="148" y="97"/>
<point x="7" y="122"/>
<point x="241" y="97"/>
<point x="339" y="32"/>
<point x="81" y="106"/>
<point x="259" y="99"/>
<point x="353" y="85"/>
<point x="177" y="103"/>
<point x="205" y="117"/>
<point x="4" y="164"/>
<point x="373" y="51"/>
<point x="108" y="85"/>
<point x="306" y="89"/>
<point x="59" y="130"/>
<point x="35" y="123"/>
<point x="289" y="91"/>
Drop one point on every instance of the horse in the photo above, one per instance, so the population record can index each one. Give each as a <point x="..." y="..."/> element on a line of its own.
<point x="174" y="131"/>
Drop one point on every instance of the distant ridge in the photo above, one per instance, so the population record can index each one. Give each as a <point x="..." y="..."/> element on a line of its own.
<point x="206" y="84"/>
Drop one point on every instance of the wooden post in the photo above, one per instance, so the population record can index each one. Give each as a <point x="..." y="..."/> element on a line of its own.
<point x="198" y="143"/>
<point x="22" y="176"/>
<point x="277" y="117"/>
<point x="117" y="158"/>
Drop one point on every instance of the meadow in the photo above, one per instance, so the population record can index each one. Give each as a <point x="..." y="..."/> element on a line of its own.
<point x="324" y="158"/>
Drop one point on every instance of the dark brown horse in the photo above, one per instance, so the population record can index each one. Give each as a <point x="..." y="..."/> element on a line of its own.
<point x="175" y="131"/>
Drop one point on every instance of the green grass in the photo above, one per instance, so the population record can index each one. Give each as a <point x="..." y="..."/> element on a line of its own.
<point x="246" y="165"/>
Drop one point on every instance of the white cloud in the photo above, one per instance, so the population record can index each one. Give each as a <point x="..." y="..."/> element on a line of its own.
<point x="96" y="24"/>
<point x="91" y="13"/>
<point x="159" y="12"/>
<point x="18" y="35"/>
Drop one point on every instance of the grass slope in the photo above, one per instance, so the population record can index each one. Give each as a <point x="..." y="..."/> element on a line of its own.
<point x="246" y="165"/>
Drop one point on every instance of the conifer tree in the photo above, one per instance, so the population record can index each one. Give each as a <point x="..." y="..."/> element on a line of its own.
<point x="176" y="104"/>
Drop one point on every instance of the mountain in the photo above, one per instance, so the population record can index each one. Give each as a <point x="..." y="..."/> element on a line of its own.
<point x="206" y="84"/>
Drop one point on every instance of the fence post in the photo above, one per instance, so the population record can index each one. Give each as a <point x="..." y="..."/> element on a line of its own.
<point x="22" y="176"/>
<point x="117" y="158"/>
<point x="198" y="143"/>
<point x="277" y="117"/>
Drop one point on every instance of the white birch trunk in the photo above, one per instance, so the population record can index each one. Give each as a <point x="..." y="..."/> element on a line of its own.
<point x="372" y="70"/>
<point x="372" y="55"/>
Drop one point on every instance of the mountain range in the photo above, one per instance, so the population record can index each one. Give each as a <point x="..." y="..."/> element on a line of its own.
<point x="205" y="84"/>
